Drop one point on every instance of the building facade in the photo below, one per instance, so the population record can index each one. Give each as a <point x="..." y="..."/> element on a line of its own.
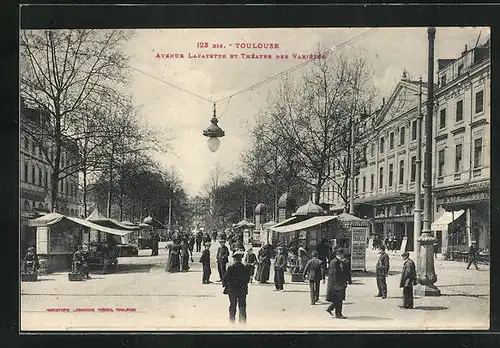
<point x="384" y="185"/>
<point x="35" y="174"/>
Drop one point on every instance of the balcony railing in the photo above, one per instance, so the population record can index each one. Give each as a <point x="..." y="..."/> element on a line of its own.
<point x="457" y="176"/>
<point x="476" y="173"/>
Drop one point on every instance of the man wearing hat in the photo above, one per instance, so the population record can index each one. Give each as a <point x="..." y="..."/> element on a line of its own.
<point x="205" y="262"/>
<point x="338" y="276"/>
<point x="381" y="271"/>
<point x="235" y="283"/>
<point x="279" y="269"/>
<point x="222" y="258"/>
<point x="473" y="255"/>
<point x="408" y="279"/>
<point x="251" y="261"/>
<point x="313" y="271"/>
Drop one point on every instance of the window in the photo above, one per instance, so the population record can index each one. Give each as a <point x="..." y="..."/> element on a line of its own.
<point x="391" y="171"/>
<point x="33" y="147"/>
<point x="61" y="186"/>
<point x="26" y="204"/>
<point x="372" y="150"/>
<point x="364" y="184"/>
<point x="460" y="69"/>
<point x="391" y="141"/>
<point x="414" y="130"/>
<point x="26" y="143"/>
<point x="40" y="206"/>
<point x="478" y="153"/>
<point x="40" y="177"/>
<point x="402" y="136"/>
<point x="46" y="179"/>
<point x="372" y="182"/>
<point x="356" y="182"/>
<point x="443" y="80"/>
<point x="381" y="178"/>
<point x="33" y="175"/>
<point x="382" y="145"/>
<point x="26" y="172"/>
<point x="413" y="168"/>
<point x="460" y="111"/>
<point x="458" y="158"/>
<point x="441" y="162"/>
<point x="479" y="102"/>
<point x="401" y="171"/>
<point x="442" y="118"/>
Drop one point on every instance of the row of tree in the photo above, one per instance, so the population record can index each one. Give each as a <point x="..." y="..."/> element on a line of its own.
<point x="78" y="80"/>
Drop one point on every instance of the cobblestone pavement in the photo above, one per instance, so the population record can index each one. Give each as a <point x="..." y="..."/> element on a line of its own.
<point x="167" y="302"/>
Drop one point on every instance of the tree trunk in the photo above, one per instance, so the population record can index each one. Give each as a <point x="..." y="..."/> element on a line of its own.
<point x="110" y="193"/>
<point x="85" y="192"/>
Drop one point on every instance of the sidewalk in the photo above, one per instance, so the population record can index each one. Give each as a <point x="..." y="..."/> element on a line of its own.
<point x="178" y="301"/>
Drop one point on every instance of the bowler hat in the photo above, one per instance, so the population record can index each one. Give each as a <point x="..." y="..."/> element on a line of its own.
<point x="382" y="247"/>
<point x="405" y="254"/>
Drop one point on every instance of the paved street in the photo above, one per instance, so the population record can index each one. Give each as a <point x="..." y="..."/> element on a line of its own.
<point x="164" y="301"/>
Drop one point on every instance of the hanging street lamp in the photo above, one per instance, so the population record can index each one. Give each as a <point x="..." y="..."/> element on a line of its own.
<point x="213" y="132"/>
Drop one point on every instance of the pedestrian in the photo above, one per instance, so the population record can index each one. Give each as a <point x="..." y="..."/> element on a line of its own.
<point x="313" y="271"/>
<point x="339" y="276"/>
<point x="382" y="271"/>
<point x="386" y="242"/>
<point x="184" y="257"/>
<point x="205" y="262"/>
<point x="302" y="259"/>
<point x="222" y="259"/>
<point x="173" y="262"/>
<point x="251" y="261"/>
<point x="235" y="283"/>
<point x="279" y="269"/>
<point x="80" y="262"/>
<point x="30" y="262"/>
<point x="472" y="258"/>
<point x="408" y="279"/>
<point x="199" y="239"/>
<point x="223" y="234"/>
<point x="155" y="239"/>
<point x="435" y="247"/>
<point x="264" y="267"/>
<point x="214" y="236"/>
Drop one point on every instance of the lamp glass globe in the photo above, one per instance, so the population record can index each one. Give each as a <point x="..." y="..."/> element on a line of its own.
<point x="213" y="144"/>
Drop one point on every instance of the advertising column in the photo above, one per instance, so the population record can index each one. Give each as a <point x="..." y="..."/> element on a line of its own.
<point x="358" y="248"/>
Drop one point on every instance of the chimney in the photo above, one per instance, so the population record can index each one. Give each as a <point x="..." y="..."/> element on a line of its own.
<point x="383" y="101"/>
<point x="465" y="50"/>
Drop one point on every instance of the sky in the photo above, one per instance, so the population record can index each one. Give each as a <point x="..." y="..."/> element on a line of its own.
<point x="176" y="95"/>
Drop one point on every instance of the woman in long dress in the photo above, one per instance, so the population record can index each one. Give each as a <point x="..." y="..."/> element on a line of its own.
<point x="264" y="263"/>
<point x="173" y="262"/>
<point x="302" y="259"/>
<point x="184" y="257"/>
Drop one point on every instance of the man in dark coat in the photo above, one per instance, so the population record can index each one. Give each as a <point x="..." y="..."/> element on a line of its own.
<point x="313" y="271"/>
<point x="382" y="271"/>
<point x="279" y="269"/>
<point x="205" y="262"/>
<point x="339" y="275"/>
<point x="199" y="239"/>
<point x="30" y="261"/>
<point x="222" y="259"/>
<point x="472" y="255"/>
<point x="235" y="283"/>
<point x="155" y="239"/>
<point x="408" y="279"/>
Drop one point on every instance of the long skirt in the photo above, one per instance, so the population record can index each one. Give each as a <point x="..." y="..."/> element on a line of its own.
<point x="185" y="263"/>
<point x="173" y="263"/>
<point x="264" y="272"/>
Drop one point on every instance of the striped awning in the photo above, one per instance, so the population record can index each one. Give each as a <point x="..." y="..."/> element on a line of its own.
<point x="303" y="225"/>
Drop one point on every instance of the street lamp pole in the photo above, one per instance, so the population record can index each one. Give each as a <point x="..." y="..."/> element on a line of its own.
<point x="426" y="275"/>
<point x="417" y="227"/>
<point x="351" y="179"/>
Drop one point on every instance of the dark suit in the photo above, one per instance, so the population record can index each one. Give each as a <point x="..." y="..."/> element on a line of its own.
<point x="382" y="270"/>
<point x="222" y="260"/>
<point x="205" y="262"/>
<point x="235" y="283"/>
<point x="279" y="271"/>
<point x="408" y="279"/>
<point x="313" y="270"/>
<point x="338" y="276"/>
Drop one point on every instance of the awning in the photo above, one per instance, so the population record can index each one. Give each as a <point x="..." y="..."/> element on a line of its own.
<point x="123" y="226"/>
<point x="244" y="223"/>
<point x="269" y="224"/>
<point x="46" y="220"/>
<point x="444" y="220"/>
<point x="97" y="227"/>
<point x="284" y="222"/>
<point x="314" y="221"/>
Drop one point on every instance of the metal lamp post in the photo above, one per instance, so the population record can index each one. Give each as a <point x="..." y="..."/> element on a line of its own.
<point x="426" y="275"/>
<point x="213" y="132"/>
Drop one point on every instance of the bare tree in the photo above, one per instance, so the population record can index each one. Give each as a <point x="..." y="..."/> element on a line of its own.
<point x="309" y="120"/>
<point x="63" y="73"/>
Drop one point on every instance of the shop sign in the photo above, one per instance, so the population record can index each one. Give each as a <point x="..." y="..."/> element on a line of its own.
<point x="358" y="248"/>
